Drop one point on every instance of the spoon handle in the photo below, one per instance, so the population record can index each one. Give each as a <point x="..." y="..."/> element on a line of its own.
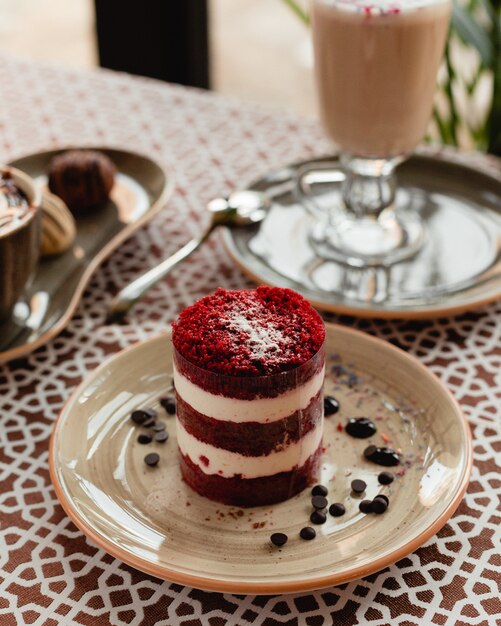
<point x="134" y="291"/>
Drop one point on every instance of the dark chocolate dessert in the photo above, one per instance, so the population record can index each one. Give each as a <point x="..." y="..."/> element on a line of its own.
<point x="82" y="178"/>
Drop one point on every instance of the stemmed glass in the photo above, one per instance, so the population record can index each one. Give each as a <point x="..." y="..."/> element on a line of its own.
<point x="376" y="66"/>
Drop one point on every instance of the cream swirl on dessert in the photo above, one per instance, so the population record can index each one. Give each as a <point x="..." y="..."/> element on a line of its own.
<point x="14" y="205"/>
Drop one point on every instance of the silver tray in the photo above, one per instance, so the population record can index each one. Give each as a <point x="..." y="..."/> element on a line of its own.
<point x="457" y="269"/>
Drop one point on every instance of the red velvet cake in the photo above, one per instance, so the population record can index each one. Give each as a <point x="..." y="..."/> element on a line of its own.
<point x="248" y="372"/>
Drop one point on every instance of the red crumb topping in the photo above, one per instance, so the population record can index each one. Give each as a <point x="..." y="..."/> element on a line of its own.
<point x="250" y="332"/>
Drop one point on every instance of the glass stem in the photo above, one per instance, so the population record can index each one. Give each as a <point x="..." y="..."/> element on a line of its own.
<point x="369" y="186"/>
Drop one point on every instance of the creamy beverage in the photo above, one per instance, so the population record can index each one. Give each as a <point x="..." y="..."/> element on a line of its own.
<point x="376" y="66"/>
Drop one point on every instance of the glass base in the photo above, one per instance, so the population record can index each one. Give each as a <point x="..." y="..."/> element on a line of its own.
<point x="369" y="242"/>
<point x="363" y="226"/>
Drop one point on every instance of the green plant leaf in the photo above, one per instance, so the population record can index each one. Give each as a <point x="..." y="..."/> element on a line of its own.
<point x="299" y="11"/>
<point x="472" y="33"/>
<point x="488" y="6"/>
<point x="442" y="127"/>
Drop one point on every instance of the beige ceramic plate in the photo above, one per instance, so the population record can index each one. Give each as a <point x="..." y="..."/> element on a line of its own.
<point x="151" y="520"/>
<point x="141" y="189"/>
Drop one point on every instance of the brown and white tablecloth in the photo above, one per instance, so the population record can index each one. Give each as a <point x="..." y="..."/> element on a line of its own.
<point x="50" y="574"/>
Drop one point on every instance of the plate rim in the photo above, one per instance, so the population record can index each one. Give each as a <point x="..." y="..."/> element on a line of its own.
<point x="444" y="154"/>
<point x="102" y="255"/>
<point x="263" y="588"/>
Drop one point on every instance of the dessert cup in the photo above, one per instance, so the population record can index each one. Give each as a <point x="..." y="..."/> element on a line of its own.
<point x="249" y="440"/>
<point x="19" y="243"/>
<point x="249" y="368"/>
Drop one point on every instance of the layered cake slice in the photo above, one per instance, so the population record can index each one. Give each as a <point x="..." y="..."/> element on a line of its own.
<point x="248" y="372"/>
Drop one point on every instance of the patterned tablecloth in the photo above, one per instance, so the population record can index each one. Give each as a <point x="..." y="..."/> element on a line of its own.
<point x="50" y="574"/>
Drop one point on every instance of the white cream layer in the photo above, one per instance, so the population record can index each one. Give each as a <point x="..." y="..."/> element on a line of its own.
<point x="261" y="410"/>
<point x="227" y="464"/>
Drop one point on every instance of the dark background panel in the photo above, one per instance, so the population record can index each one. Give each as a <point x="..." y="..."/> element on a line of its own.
<point x="164" y="39"/>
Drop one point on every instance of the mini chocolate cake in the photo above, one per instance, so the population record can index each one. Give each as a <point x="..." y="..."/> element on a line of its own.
<point x="248" y="374"/>
<point x="82" y="178"/>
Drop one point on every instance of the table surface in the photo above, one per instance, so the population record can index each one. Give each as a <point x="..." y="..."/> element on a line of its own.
<point x="50" y="574"/>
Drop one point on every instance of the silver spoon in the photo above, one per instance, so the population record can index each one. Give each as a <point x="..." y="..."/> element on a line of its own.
<point x="241" y="208"/>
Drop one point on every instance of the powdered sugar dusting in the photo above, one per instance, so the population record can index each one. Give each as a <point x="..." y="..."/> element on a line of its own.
<point x="262" y="339"/>
<point x="252" y="332"/>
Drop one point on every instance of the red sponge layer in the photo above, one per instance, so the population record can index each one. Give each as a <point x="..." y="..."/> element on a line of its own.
<point x="255" y="332"/>
<point x="238" y="491"/>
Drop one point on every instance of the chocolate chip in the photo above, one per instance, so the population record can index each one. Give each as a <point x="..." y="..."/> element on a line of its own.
<point x="358" y="486"/>
<point x="319" y="502"/>
<point x="308" y="533"/>
<point x="169" y="404"/>
<point x="139" y="416"/>
<point x="382" y="456"/>
<point x="279" y="539"/>
<point x="144" y="438"/>
<point x="319" y="490"/>
<point x="379" y="506"/>
<point x="158" y="427"/>
<point x="386" y="478"/>
<point x="151" y="459"/>
<point x="369" y="451"/>
<point x="318" y="517"/>
<point x="383" y="497"/>
<point x="360" y="427"/>
<point x="149" y="422"/>
<point x="331" y="406"/>
<point x="151" y="412"/>
<point x="161" y="436"/>
<point x="365" y="506"/>
<point x="337" y="509"/>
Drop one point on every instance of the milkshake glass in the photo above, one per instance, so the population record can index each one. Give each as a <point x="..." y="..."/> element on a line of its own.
<point x="376" y="66"/>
